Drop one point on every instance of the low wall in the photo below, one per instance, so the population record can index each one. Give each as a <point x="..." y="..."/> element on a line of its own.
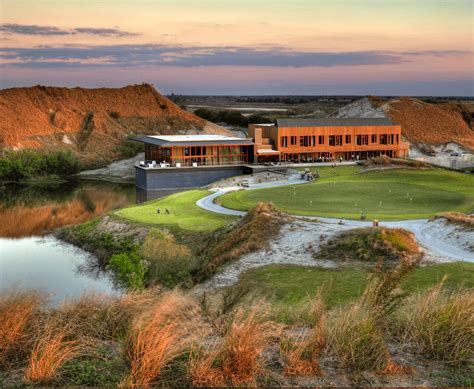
<point x="182" y="178"/>
<point x="457" y="163"/>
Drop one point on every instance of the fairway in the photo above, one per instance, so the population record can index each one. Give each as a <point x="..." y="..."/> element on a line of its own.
<point x="345" y="192"/>
<point x="293" y="285"/>
<point x="183" y="213"/>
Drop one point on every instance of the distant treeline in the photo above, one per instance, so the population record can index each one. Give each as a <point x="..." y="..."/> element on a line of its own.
<point x="232" y="118"/>
<point x="32" y="164"/>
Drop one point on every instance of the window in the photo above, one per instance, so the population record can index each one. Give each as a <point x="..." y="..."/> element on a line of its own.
<point x="284" y="141"/>
<point x="362" y="140"/>
<point x="383" y="139"/>
<point x="335" y="140"/>
<point x="348" y="139"/>
<point x="313" y="141"/>
<point x="293" y="140"/>
<point x="305" y="141"/>
<point x="374" y="138"/>
<point x="397" y="140"/>
<point x="321" y="139"/>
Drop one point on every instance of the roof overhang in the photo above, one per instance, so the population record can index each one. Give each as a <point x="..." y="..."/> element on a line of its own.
<point x="193" y="140"/>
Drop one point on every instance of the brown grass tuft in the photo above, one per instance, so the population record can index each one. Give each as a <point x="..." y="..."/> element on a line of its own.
<point x="160" y="335"/>
<point x="17" y="309"/>
<point x="355" y="337"/>
<point x="253" y="232"/>
<point x="302" y="357"/>
<point x="243" y="344"/>
<point x="458" y="218"/>
<point x="203" y="370"/>
<point x="441" y="324"/>
<point x="50" y="352"/>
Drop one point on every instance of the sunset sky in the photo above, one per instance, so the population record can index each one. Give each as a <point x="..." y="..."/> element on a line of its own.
<point x="383" y="47"/>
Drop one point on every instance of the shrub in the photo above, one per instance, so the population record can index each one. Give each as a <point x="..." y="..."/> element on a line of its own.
<point x="354" y="336"/>
<point x="129" y="148"/>
<point x="441" y="324"/>
<point x="25" y="164"/>
<point x="128" y="270"/>
<point x="160" y="335"/>
<point x="17" y="310"/>
<point x="168" y="263"/>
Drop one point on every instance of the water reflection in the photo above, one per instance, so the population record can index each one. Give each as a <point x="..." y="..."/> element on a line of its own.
<point x="45" y="263"/>
<point x="32" y="210"/>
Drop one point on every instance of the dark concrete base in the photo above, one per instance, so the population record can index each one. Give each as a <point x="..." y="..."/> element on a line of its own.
<point x="182" y="178"/>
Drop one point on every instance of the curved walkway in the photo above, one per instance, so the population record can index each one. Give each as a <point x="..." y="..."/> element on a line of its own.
<point x="434" y="238"/>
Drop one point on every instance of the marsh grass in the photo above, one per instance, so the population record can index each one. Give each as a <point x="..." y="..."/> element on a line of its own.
<point x="18" y="312"/>
<point x="52" y="349"/>
<point x="441" y="324"/>
<point x="159" y="336"/>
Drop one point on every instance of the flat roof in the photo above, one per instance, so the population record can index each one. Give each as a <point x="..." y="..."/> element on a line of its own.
<point x="201" y="139"/>
<point x="334" y="122"/>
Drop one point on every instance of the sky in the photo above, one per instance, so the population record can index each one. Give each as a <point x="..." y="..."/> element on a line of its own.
<point x="242" y="47"/>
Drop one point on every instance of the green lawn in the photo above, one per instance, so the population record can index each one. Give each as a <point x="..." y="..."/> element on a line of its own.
<point x="184" y="213"/>
<point x="290" y="285"/>
<point x="345" y="192"/>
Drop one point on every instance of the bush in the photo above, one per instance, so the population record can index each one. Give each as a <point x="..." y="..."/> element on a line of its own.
<point x="168" y="263"/>
<point x="129" y="148"/>
<point x="128" y="269"/>
<point x="25" y="164"/>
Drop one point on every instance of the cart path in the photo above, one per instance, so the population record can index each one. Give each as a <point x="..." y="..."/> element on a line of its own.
<point x="442" y="242"/>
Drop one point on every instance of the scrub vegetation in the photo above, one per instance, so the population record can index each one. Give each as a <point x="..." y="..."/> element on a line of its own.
<point x="350" y="192"/>
<point x="33" y="165"/>
<point x="166" y="254"/>
<point x="157" y="337"/>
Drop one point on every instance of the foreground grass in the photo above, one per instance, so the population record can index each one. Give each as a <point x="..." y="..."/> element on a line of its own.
<point x="183" y="213"/>
<point x="290" y="285"/>
<point x="345" y="192"/>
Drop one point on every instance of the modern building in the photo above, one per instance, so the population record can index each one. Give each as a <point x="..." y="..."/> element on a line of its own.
<point x="312" y="140"/>
<point x="185" y="161"/>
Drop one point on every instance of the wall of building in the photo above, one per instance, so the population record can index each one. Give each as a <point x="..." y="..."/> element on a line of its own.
<point x="180" y="178"/>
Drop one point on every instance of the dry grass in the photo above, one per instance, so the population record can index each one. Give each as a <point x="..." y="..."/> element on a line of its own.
<point x="17" y="311"/>
<point x="441" y="324"/>
<point x="50" y="352"/>
<point x="405" y="163"/>
<point x="459" y="218"/>
<point x="160" y="335"/>
<point x="101" y="316"/>
<point x="253" y="232"/>
<point x="355" y="337"/>
<point x="203" y="371"/>
<point x="302" y="356"/>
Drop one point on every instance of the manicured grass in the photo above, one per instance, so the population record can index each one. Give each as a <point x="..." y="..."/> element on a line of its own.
<point x="184" y="213"/>
<point x="290" y="285"/>
<point x="345" y="192"/>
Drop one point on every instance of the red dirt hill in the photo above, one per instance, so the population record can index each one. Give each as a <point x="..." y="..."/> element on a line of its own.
<point x="90" y="122"/>
<point x="432" y="124"/>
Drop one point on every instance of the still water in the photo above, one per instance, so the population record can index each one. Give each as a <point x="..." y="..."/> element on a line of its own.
<point x="30" y="257"/>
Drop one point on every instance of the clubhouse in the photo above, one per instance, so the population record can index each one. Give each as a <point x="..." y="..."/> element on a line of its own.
<point x="313" y="140"/>
<point x="183" y="161"/>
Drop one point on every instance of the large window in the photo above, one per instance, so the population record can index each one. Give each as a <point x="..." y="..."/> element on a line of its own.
<point x="293" y="140"/>
<point x="348" y="139"/>
<point x="321" y="139"/>
<point x="362" y="140"/>
<point x="284" y="141"/>
<point x="307" y="141"/>
<point x="374" y="138"/>
<point x="335" y="140"/>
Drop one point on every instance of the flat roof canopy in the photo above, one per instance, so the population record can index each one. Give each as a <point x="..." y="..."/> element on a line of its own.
<point x="193" y="140"/>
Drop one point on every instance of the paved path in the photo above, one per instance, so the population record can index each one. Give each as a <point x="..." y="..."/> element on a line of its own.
<point x="433" y="236"/>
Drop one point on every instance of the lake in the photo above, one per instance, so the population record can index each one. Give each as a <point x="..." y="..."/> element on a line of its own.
<point x="30" y="257"/>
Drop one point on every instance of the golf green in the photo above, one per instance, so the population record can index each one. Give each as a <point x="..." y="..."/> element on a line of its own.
<point x="386" y="194"/>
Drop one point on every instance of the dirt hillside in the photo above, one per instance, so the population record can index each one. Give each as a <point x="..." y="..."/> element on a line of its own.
<point x="431" y="124"/>
<point x="90" y="122"/>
